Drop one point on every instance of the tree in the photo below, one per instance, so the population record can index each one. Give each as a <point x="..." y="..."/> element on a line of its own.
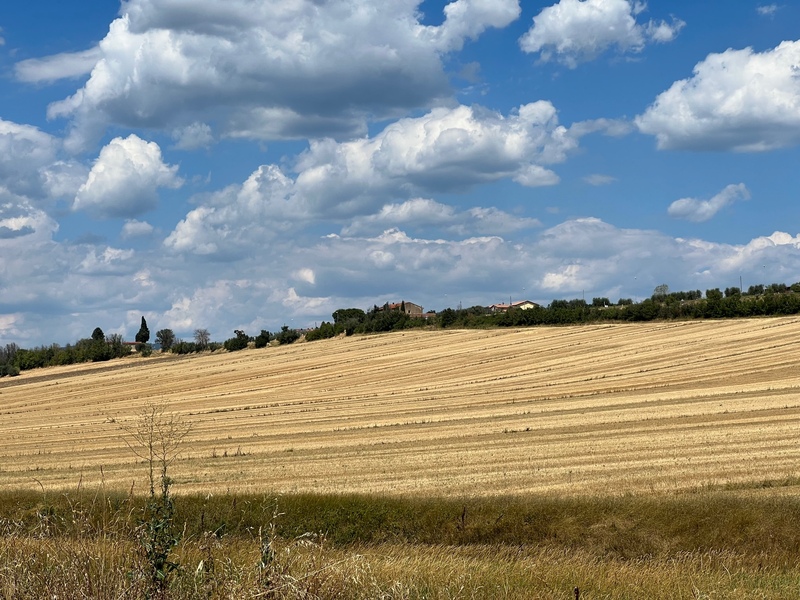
<point x="116" y="345"/>
<point x="262" y="339"/>
<point x="660" y="291"/>
<point x="323" y="332"/>
<point x="201" y="338"/>
<point x="237" y="343"/>
<point x="342" y="315"/>
<point x="165" y="338"/>
<point x="447" y="317"/>
<point x="348" y="319"/>
<point x="98" y="335"/>
<point x="95" y="350"/>
<point x="143" y="336"/>
<point x="287" y="336"/>
<point x="732" y="291"/>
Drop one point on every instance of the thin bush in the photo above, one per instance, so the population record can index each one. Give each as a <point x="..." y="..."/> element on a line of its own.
<point x="156" y="437"/>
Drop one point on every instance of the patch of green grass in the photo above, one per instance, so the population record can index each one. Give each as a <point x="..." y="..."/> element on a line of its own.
<point x="626" y="527"/>
<point x="618" y="527"/>
<point x="719" y="544"/>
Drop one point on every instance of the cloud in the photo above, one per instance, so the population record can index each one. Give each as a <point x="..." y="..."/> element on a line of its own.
<point x="392" y="261"/>
<point x="58" y="66"/>
<point x="767" y="10"/>
<point x="300" y="304"/>
<point x="6" y="233"/>
<point x="467" y="19"/>
<point x="703" y="210"/>
<point x="598" y="179"/>
<point x="576" y="31"/>
<point x="737" y="100"/>
<point x="230" y="221"/>
<point x="422" y="213"/>
<point x="19" y="219"/>
<point x="107" y="261"/>
<point x="63" y="178"/>
<point x="444" y="150"/>
<point x="264" y="70"/>
<point x="607" y="127"/>
<point x="125" y="178"/>
<point x="134" y="229"/>
<point x="32" y="167"/>
<point x="305" y="274"/>
<point x="779" y="248"/>
<point x="589" y="254"/>
<point x="193" y="137"/>
<point x="24" y="150"/>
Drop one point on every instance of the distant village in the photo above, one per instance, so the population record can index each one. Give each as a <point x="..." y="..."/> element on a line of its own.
<point x="415" y="310"/>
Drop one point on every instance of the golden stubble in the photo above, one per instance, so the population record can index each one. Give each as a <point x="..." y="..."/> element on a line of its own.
<point x="609" y="409"/>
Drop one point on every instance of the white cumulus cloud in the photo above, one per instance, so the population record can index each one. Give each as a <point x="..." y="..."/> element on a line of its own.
<point x="575" y="31"/>
<point x="444" y="150"/>
<point x="737" y="100"/>
<point x="698" y="211"/>
<point x="232" y="220"/>
<point x="134" y="229"/>
<point x="263" y="69"/>
<point x="467" y="19"/>
<point x="125" y="178"/>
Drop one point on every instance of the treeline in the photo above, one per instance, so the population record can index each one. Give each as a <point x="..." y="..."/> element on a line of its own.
<point x="14" y="359"/>
<point x="99" y="347"/>
<point x="715" y="305"/>
<point x="759" y="300"/>
<point x="355" y="320"/>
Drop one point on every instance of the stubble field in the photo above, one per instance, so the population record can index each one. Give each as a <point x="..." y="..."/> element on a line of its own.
<point x="582" y="410"/>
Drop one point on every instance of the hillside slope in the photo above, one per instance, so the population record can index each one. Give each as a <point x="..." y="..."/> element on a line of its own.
<point x="581" y="410"/>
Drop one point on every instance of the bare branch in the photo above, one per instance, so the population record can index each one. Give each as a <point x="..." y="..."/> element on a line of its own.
<point x="156" y="436"/>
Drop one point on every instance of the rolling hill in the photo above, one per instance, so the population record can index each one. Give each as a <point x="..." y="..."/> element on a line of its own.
<point x="623" y="408"/>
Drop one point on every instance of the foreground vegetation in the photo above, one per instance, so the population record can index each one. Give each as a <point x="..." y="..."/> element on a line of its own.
<point x="711" y="544"/>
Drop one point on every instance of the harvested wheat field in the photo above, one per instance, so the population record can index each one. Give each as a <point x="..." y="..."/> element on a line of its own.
<point x="611" y="409"/>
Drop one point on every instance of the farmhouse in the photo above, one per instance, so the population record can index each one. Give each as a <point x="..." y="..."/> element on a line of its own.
<point x="411" y="309"/>
<point x="521" y="305"/>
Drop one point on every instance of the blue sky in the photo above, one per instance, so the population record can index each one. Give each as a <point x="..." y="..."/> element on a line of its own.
<point x="239" y="164"/>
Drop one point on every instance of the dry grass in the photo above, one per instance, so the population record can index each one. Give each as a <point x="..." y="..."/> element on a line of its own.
<point x="640" y="408"/>
<point x="59" y="570"/>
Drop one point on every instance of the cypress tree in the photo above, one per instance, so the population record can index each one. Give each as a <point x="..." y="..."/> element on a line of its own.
<point x="144" y="333"/>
